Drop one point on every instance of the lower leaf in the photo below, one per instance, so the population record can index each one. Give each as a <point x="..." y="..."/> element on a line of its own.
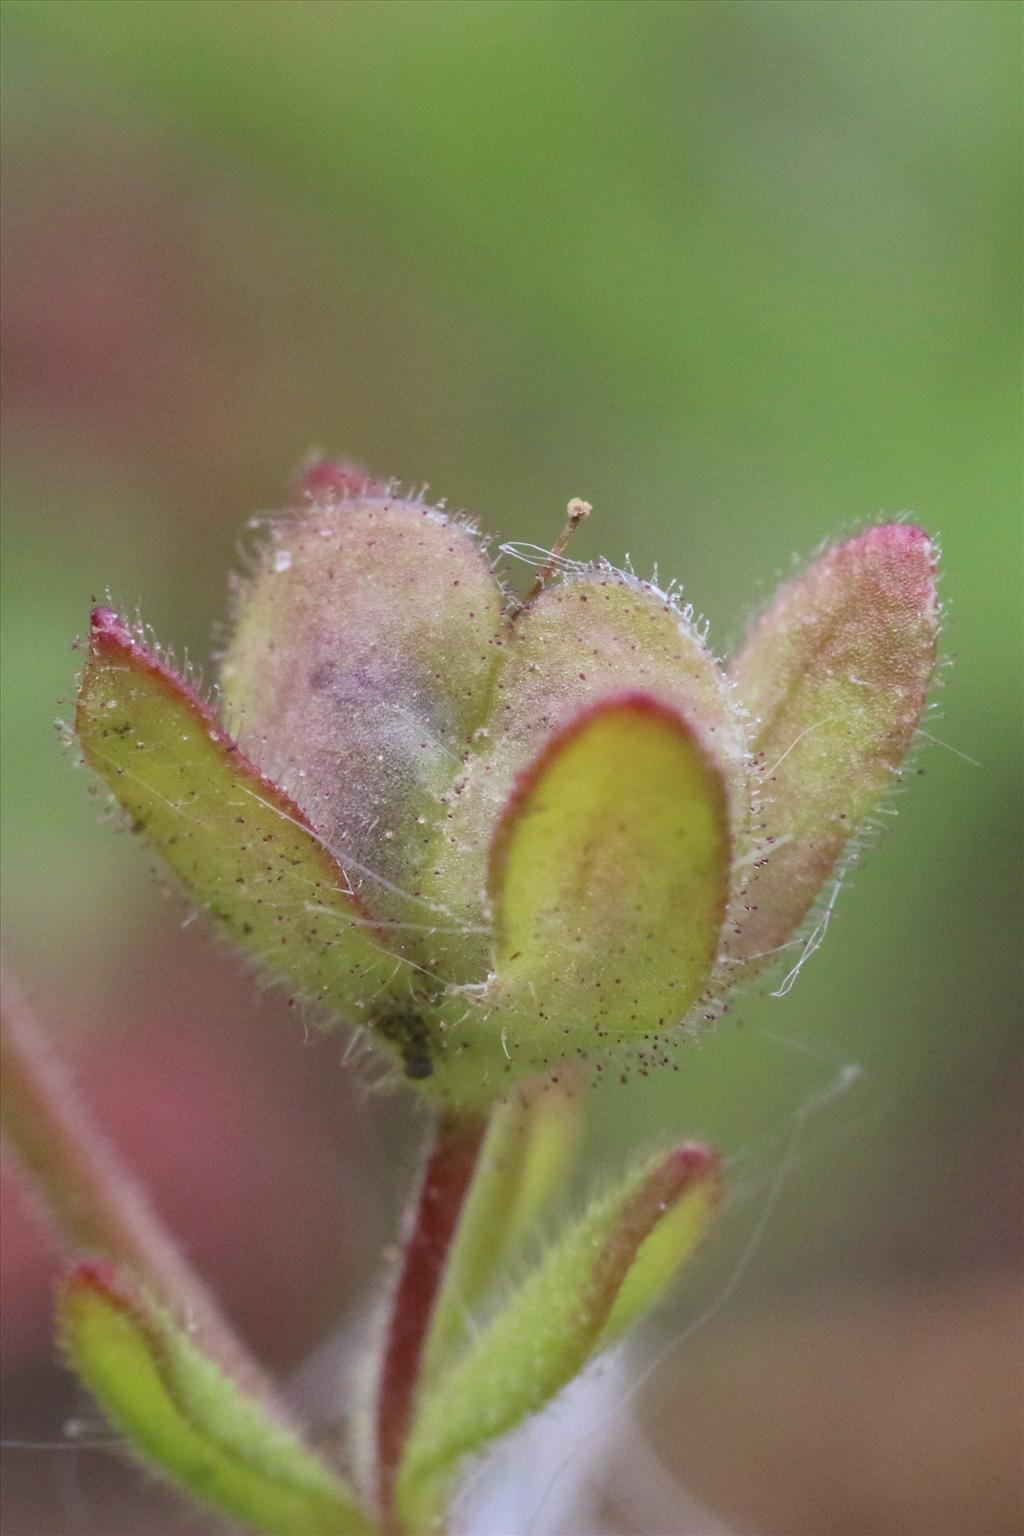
<point x="181" y="1414"/>
<point x="599" y="1277"/>
<point x="531" y="1143"/>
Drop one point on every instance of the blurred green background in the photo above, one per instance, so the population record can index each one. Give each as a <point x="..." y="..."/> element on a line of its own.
<point x="743" y="275"/>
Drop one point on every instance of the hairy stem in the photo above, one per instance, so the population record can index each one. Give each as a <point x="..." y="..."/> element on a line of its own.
<point x="451" y="1162"/>
<point x="93" y="1199"/>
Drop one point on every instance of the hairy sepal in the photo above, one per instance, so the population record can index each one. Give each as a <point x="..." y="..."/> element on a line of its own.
<point x="189" y="1421"/>
<point x="608" y="880"/>
<point x="835" y="676"/>
<point x="601" y="1275"/>
<point x="608" y="886"/>
<point x="360" y="666"/>
<point x="238" y="845"/>
<point x="595" y="634"/>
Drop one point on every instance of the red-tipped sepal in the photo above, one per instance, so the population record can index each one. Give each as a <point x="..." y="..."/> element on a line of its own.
<point x="835" y="675"/>
<point x="240" y="847"/>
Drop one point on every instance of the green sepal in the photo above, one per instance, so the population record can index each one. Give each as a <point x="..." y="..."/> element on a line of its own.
<point x="599" y="1276"/>
<point x="184" y="1417"/>
<point x="586" y="638"/>
<point x="237" y="844"/>
<point x="523" y="1165"/>
<point x="609" y="883"/>
<point x="609" y="879"/>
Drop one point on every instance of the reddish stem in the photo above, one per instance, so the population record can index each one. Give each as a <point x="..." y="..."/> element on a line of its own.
<point x="435" y="1215"/>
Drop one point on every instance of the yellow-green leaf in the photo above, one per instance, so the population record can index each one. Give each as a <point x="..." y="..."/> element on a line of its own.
<point x="235" y="841"/>
<point x="596" y="1279"/>
<point x="185" y="1418"/>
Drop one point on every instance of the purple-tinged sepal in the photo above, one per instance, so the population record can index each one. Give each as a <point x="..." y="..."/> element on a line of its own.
<point x="834" y="675"/>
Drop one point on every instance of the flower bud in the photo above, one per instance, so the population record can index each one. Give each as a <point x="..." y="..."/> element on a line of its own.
<point x="505" y="835"/>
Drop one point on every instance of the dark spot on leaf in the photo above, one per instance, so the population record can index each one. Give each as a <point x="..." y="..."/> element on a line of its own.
<point x="406" y="1028"/>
